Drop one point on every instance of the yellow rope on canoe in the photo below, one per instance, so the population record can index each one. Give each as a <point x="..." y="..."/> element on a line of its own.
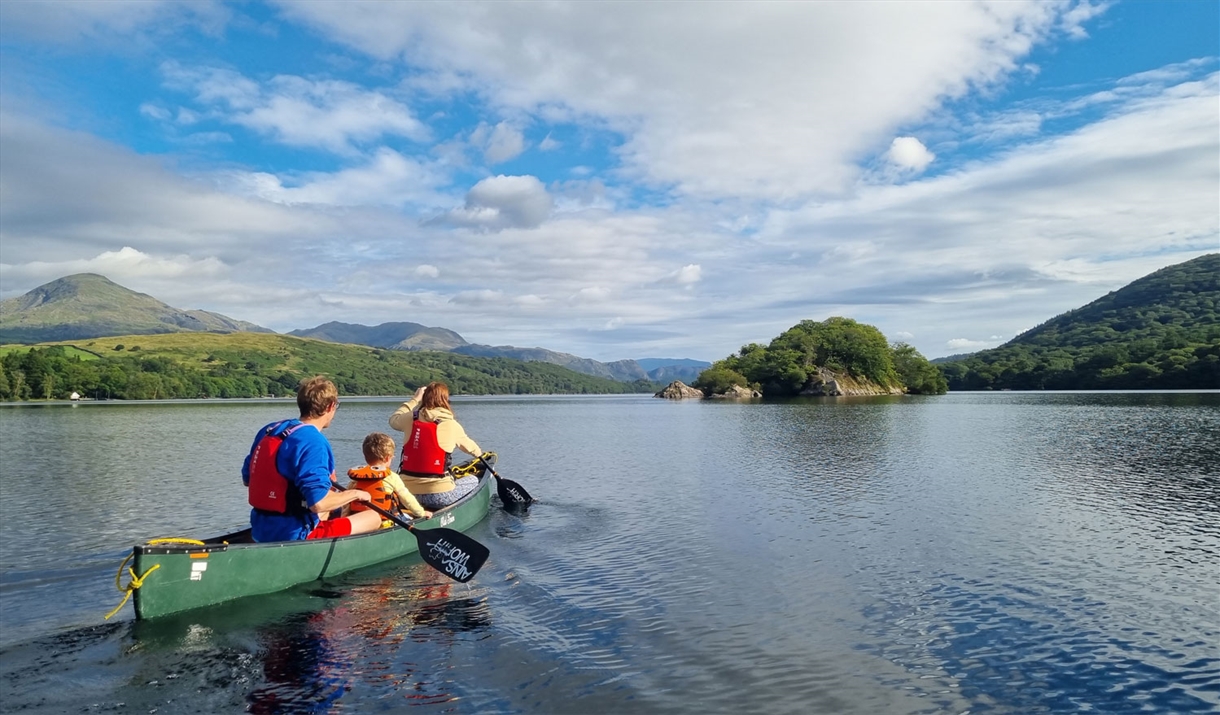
<point x="472" y="467"/>
<point x="138" y="581"/>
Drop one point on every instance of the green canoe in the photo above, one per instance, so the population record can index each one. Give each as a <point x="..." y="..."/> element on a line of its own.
<point x="176" y="577"/>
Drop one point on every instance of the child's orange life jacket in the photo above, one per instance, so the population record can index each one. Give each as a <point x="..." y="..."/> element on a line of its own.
<point x="372" y="480"/>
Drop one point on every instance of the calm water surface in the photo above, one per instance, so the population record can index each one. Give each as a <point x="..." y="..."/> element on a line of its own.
<point x="983" y="553"/>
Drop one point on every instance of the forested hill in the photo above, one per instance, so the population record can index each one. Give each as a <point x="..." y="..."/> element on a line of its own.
<point x="1159" y="332"/>
<point x="191" y="365"/>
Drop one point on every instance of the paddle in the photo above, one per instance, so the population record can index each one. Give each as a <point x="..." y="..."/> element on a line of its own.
<point x="447" y="550"/>
<point x="511" y="493"/>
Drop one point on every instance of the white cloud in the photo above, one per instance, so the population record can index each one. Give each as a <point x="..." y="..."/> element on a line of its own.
<point x="387" y="179"/>
<point x="329" y="114"/>
<point x="591" y="294"/>
<point x="967" y="344"/>
<point x="851" y="252"/>
<point x="549" y="144"/>
<point x="113" y="21"/>
<point x="904" y="336"/>
<point x="480" y="297"/>
<point x="688" y="274"/>
<point x="909" y="154"/>
<point x="69" y="195"/>
<point x="583" y="194"/>
<point x="1072" y="22"/>
<point x="728" y="115"/>
<point x="187" y="117"/>
<point x="425" y="270"/>
<point x="153" y="111"/>
<point x="126" y="265"/>
<point x="499" y="143"/>
<point x="1005" y="126"/>
<point x="531" y="301"/>
<point x="504" y="201"/>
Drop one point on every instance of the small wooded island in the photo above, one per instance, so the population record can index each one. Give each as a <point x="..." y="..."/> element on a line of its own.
<point x="837" y="356"/>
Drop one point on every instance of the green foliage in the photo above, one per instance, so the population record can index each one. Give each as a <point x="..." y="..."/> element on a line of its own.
<point x="1159" y="332"/>
<point x="718" y="378"/>
<point x="253" y="365"/>
<point x="920" y="376"/>
<point x="792" y="360"/>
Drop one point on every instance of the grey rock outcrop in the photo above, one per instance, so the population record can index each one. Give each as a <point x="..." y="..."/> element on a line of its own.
<point x="826" y="383"/>
<point x="736" y="392"/>
<point x="678" y="390"/>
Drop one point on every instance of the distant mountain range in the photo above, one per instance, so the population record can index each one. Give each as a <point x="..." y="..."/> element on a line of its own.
<point x="413" y="336"/>
<point x="391" y="336"/>
<point x="621" y="370"/>
<point x="87" y="305"/>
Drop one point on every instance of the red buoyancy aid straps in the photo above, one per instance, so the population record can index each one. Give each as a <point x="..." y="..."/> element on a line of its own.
<point x="421" y="453"/>
<point x="268" y="488"/>
<point x="372" y="480"/>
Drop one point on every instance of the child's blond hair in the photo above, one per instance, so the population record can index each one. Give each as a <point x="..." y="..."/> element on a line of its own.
<point x="378" y="447"/>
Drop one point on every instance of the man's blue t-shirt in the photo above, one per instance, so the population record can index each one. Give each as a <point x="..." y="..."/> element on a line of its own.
<point x="306" y="461"/>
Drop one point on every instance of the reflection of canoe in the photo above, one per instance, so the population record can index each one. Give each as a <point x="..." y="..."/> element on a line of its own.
<point x="176" y="577"/>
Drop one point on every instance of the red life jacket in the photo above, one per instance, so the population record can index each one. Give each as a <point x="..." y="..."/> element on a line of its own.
<point x="422" y="455"/>
<point x="372" y="480"/>
<point x="268" y="488"/>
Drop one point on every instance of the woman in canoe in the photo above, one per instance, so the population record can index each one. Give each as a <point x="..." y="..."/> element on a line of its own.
<point x="430" y="434"/>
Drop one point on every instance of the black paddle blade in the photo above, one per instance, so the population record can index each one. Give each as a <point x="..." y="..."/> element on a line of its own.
<point x="451" y="552"/>
<point x="511" y="492"/>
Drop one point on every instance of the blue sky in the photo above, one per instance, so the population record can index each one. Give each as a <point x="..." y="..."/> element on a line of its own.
<point x="613" y="180"/>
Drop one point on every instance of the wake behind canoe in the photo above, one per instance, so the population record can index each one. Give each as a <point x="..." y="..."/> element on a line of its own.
<point x="173" y="577"/>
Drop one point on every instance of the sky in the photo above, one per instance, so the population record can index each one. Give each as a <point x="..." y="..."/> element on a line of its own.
<point x="613" y="180"/>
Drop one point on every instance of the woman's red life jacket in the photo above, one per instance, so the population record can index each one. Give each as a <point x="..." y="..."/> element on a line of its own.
<point x="268" y="488"/>
<point x="372" y="480"/>
<point x="421" y="454"/>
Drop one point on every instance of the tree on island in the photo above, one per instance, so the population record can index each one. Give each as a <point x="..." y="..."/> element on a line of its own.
<point x="796" y="359"/>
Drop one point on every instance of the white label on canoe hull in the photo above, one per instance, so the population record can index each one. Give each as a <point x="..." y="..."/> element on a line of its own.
<point x="197" y="570"/>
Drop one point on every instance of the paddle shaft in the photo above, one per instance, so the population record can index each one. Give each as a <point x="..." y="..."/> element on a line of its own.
<point x="451" y="552"/>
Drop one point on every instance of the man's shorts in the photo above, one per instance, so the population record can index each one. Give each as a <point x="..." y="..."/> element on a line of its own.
<point x="331" y="528"/>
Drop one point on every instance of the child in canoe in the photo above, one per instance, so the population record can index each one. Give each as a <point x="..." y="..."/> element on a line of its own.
<point x="380" y="481"/>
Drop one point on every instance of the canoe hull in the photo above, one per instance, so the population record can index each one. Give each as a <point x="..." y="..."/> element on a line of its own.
<point x="178" y="577"/>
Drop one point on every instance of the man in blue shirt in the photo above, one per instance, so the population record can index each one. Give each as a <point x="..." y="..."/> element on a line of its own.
<point x="291" y="486"/>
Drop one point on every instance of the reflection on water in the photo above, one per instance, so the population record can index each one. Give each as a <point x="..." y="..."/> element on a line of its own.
<point x="990" y="553"/>
<point x="300" y="652"/>
<point x="310" y="661"/>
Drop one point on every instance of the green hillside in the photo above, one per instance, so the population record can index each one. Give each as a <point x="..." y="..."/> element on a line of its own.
<point x="87" y="305"/>
<point x="192" y="365"/>
<point x="1160" y="332"/>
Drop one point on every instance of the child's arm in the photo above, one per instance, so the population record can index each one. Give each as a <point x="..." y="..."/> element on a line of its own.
<point x="412" y="505"/>
<point x="406" y="499"/>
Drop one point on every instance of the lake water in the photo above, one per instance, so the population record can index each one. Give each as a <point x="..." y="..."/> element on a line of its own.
<point x="982" y="553"/>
